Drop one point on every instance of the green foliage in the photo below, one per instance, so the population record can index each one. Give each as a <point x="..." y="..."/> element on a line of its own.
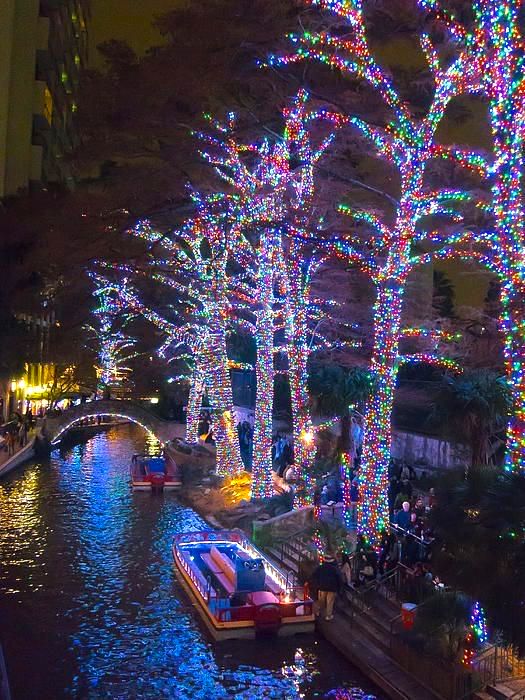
<point x="117" y="54"/>
<point x="334" y="536"/>
<point x="263" y="536"/>
<point x="443" y="621"/>
<point x="472" y="407"/>
<point x="241" y="348"/>
<point x="480" y="523"/>
<point x="333" y="388"/>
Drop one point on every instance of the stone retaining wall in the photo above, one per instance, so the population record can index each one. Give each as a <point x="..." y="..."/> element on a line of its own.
<point x="426" y="450"/>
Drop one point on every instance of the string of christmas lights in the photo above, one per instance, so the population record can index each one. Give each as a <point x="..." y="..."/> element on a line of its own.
<point x="495" y="40"/>
<point x="408" y="144"/>
<point x="115" y="347"/>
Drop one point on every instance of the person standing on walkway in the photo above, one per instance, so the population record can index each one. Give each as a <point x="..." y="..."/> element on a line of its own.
<point x="22" y="434"/>
<point x="328" y="580"/>
<point x="10" y="437"/>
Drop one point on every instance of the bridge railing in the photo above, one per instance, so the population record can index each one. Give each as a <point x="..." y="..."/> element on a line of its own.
<point x="55" y="426"/>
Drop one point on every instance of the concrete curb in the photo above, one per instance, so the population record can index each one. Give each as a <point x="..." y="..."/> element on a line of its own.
<point x="19" y="458"/>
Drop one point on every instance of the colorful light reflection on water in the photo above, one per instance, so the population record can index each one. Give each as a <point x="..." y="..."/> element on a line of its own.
<point x="90" y="606"/>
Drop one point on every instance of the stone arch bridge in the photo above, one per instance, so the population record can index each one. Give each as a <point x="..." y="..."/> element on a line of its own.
<point x="54" y="428"/>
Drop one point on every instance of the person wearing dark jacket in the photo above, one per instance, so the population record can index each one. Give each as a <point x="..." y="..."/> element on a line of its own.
<point x="328" y="580"/>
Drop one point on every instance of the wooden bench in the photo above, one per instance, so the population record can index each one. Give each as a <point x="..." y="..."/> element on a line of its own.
<point x="212" y="566"/>
<point x="218" y="567"/>
<point x="218" y="573"/>
<point x="224" y="563"/>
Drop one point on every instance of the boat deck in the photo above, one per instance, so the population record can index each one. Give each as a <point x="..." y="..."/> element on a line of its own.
<point x="237" y="589"/>
<point x="219" y="580"/>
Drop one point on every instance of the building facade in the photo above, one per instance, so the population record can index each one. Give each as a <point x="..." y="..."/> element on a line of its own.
<point x="43" y="48"/>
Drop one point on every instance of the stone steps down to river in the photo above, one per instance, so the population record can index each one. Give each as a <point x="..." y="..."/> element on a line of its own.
<point x="361" y="630"/>
<point x="290" y="553"/>
<point x="507" y="690"/>
<point x="372" y="615"/>
<point x="373" y="661"/>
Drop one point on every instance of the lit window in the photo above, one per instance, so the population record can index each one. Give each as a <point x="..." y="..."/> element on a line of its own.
<point x="77" y="59"/>
<point x="48" y="105"/>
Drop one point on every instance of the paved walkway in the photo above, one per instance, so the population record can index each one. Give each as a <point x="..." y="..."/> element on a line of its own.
<point x="372" y="661"/>
<point x="5" y="458"/>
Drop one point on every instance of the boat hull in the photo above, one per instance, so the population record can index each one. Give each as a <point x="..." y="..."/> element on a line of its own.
<point x="147" y="486"/>
<point x="165" y="476"/>
<point x="299" y="620"/>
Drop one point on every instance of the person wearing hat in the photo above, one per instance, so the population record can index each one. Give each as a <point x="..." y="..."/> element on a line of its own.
<point x="329" y="581"/>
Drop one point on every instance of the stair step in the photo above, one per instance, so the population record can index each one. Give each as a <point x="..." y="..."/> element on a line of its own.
<point x="373" y="661"/>
<point x="374" y="612"/>
<point x="505" y="690"/>
<point x="377" y="636"/>
<point x="482" y="695"/>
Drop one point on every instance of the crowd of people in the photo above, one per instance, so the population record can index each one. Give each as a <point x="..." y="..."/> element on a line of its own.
<point x="15" y="433"/>
<point x="405" y="547"/>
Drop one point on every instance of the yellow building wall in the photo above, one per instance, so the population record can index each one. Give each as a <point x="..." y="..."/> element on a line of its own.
<point x="18" y="40"/>
<point x="7" y="18"/>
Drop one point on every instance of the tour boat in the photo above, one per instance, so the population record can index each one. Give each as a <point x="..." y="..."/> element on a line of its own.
<point x="154" y="473"/>
<point x="238" y="591"/>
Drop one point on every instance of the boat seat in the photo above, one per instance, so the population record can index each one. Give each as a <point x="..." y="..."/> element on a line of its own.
<point x="212" y="566"/>
<point x="225" y="582"/>
<point x="225" y="564"/>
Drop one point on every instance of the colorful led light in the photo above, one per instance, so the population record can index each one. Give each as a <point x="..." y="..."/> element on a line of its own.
<point x="408" y="143"/>
<point x="115" y="347"/>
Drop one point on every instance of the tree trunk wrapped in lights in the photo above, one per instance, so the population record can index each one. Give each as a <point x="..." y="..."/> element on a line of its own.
<point x="278" y="189"/>
<point x="302" y="313"/>
<point x="496" y="40"/>
<point x="373" y="486"/>
<point x="501" y="24"/>
<point x="262" y="480"/>
<point x="197" y="391"/>
<point x="192" y="262"/>
<point x="408" y="143"/>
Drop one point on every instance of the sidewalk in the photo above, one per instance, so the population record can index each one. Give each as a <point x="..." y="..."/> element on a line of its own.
<point x="373" y="661"/>
<point x="8" y="462"/>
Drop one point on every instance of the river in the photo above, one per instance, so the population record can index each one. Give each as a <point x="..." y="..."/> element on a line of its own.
<point x="90" y="606"/>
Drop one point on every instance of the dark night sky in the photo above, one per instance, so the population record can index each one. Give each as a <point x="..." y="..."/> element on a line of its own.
<point x="126" y="19"/>
<point x="131" y="20"/>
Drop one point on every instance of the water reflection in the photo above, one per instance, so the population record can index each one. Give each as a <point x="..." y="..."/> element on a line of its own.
<point x="91" y="607"/>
